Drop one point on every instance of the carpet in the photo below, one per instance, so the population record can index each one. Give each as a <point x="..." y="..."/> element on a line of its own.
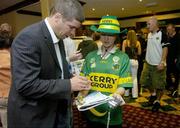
<point x="169" y="104"/>
<point x="136" y="117"/>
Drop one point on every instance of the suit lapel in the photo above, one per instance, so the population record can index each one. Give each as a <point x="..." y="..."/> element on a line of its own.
<point x="49" y="43"/>
<point x="53" y="52"/>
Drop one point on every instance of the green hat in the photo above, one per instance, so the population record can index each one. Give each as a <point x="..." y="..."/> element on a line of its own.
<point x="108" y="24"/>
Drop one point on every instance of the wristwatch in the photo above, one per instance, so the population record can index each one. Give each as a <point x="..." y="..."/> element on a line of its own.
<point x="163" y="62"/>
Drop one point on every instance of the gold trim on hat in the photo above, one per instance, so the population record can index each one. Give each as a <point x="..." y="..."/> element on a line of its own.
<point x="109" y="20"/>
<point x="109" y="27"/>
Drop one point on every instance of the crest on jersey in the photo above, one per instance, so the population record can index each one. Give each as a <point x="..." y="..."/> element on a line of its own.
<point x="92" y="63"/>
<point x="116" y="64"/>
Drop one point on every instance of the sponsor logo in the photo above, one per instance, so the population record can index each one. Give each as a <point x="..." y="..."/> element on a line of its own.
<point x="104" y="82"/>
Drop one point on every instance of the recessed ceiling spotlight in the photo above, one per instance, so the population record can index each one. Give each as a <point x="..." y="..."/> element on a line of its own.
<point x="93" y="9"/>
<point x="122" y="9"/>
<point x="140" y="0"/>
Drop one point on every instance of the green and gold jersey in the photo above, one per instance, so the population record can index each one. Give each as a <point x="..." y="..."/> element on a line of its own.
<point x="107" y="74"/>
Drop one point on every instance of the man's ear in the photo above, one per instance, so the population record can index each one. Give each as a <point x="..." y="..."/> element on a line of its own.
<point x="58" y="16"/>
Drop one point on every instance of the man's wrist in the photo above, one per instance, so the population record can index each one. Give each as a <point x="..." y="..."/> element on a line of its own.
<point x="163" y="62"/>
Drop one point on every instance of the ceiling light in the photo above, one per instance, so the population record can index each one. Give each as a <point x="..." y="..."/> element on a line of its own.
<point x="140" y="0"/>
<point x="107" y="14"/>
<point x="152" y="4"/>
<point x="122" y="9"/>
<point x="93" y="9"/>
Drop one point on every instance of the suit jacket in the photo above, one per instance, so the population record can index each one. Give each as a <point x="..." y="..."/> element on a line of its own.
<point x="38" y="97"/>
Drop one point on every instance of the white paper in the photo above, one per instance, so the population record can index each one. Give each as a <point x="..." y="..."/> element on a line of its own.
<point x="95" y="99"/>
<point x="76" y="66"/>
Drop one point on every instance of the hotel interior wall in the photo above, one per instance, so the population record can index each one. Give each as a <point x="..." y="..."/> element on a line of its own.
<point x="132" y="22"/>
<point x="19" y="21"/>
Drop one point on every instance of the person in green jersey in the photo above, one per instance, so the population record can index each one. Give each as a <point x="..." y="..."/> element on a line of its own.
<point x="109" y="70"/>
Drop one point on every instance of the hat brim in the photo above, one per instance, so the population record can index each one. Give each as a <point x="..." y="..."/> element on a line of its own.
<point x="108" y="31"/>
<point x="93" y="28"/>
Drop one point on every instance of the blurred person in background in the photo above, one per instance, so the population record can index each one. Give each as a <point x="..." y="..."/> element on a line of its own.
<point x="96" y="38"/>
<point x="154" y="70"/>
<point x="5" y="78"/>
<point x="142" y="38"/>
<point x="70" y="48"/>
<point x="172" y="72"/>
<point x="88" y="44"/>
<point x="132" y="47"/>
<point x="6" y="33"/>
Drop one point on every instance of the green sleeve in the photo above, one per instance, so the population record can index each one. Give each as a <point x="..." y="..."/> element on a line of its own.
<point x="125" y="79"/>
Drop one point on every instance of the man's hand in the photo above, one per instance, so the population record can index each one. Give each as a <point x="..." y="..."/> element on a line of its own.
<point x="161" y="66"/>
<point x="79" y="83"/>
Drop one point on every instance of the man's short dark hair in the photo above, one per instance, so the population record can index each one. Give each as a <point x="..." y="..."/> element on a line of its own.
<point x="70" y="9"/>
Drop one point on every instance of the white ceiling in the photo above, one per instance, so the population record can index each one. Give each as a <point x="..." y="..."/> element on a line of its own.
<point x="113" y="7"/>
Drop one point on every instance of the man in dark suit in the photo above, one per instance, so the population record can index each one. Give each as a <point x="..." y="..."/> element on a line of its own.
<point x="40" y="96"/>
